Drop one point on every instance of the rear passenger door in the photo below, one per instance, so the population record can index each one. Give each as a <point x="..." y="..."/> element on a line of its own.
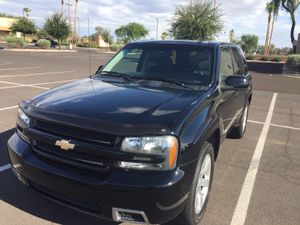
<point x="228" y="108"/>
<point x="240" y="69"/>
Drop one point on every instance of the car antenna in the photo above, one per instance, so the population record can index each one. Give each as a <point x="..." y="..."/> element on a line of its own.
<point x="89" y="40"/>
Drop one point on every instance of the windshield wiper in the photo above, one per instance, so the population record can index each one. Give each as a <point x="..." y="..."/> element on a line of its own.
<point x="178" y="83"/>
<point x="124" y="76"/>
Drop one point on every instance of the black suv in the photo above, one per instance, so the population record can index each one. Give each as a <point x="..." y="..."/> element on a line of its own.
<point x="137" y="141"/>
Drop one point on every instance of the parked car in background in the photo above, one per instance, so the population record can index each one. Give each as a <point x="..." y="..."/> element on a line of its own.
<point x="137" y="141"/>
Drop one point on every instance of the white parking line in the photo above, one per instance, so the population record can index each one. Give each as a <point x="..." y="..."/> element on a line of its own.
<point x="37" y="74"/>
<point x="240" y="213"/>
<point x="297" y="76"/>
<point x="22" y="68"/>
<point x="55" y="82"/>
<point x="9" y="87"/>
<point x="35" y="85"/>
<point x="24" y="85"/>
<point x="5" y="167"/>
<point x="274" y="125"/>
<point x="2" y="64"/>
<point x="8" y="108"/>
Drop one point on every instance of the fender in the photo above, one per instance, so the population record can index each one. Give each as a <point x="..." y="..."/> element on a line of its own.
<point x="197" y="133"/>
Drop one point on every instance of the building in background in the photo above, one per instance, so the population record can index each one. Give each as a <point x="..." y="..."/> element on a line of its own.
<point x="5" y="24"/>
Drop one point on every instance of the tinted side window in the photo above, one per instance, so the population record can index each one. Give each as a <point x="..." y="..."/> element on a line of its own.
<point x="226" y="67"/>
<point x="245" y="66"/>
<point x="237" y="62"/>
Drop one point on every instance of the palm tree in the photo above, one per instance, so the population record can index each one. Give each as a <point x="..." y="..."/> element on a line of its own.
<point x="75" y="18"/>
<point x="290" y="6"/>
<point x="26" y="12"/>
<point x="275" y="10"/>
<point x="269" y="9"/>
<point x="62" y="7"/>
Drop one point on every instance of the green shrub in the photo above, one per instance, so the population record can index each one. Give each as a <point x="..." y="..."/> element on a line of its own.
<point x="116" y="47"/>
<point x="43" y="43"/>
<point x="264" y="58"/>
<point x="293" y="61"/>
<point x="15" y="42"/>
<point x="276" y="59"/>
<point x="250" y="57"/>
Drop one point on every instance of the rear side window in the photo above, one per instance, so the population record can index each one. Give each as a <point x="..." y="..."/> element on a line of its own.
<point x="226" y="67"/>
<point x="238" y="63"/>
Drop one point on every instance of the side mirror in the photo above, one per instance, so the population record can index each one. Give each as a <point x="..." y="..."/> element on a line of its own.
<point x="99" y="68"/>
<point x="233" y="82"/>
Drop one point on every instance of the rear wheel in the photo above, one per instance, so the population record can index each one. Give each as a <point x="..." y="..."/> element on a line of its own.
<point x="199" y="193"/>
<point x="239" y="130"/>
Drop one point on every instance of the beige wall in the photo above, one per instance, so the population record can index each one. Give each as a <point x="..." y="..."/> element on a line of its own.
<point x="5" y="23"/>
<point x="101" y="43"/>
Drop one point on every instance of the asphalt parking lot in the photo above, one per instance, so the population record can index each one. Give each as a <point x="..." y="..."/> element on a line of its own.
<point x="256" y="180"/>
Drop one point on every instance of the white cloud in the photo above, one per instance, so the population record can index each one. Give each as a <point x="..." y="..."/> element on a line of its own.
<point x="244" y="16"/>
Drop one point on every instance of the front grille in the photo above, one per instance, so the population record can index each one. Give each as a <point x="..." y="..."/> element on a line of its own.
<point x="72" y="158"/>
<point x="93" y="150"/>
<point x="75" y="133"/>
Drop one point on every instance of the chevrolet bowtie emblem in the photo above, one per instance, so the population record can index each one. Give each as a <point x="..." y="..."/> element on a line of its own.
<point x="65" y="145"/>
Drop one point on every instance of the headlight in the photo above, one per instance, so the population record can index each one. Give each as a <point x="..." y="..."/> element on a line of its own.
<point x="23" y="122"/>
<point x="147" y="149"/>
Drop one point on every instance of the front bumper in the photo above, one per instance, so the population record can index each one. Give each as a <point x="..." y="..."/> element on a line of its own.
<point x="161" y="196"/>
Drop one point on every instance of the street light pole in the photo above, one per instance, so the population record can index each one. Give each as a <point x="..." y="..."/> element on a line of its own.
<point x="157" y="22"/>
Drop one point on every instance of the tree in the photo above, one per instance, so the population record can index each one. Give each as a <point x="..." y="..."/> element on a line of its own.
<point x="232" y="38"/>
<point x="57" y="27"/>
<point x="26" y="12"/>
<point x="164" y="35"/>
<point x="275" y="11"/>
<point x="249" y="43"/>
<point x="75" y="18"/>
<point x="104" y="33"/>
<point x="62" y="7"/>
<point x="269" y="9"/>
<point x="23" y="25"/>
<point x="131" y="32"/>
<point x="290" y="6"/>
<point x="199" y="20"/>
<point x="42" y="34"/>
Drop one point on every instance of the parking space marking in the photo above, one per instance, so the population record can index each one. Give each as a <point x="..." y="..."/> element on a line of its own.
<point x="8" y="108"/>
<point x="23" y="68"/>
<point x="5" y="167"/>
<point x="24" y="85"/>
<point x="240" y="212"/>
<point x="37" y="74"/>
<point x="287" y="127"/>
<point x="36" y="84"/>
<point x="257" y="122"/>
<point x="297" y="77"/>
<point x="275" y="125"/>
<point x="55" y="82"/>
<point x="9" y="87"/>
<point x="2" y="64"/>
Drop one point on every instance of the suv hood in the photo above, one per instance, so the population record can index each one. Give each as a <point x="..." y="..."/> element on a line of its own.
<point x="121" y="104"/>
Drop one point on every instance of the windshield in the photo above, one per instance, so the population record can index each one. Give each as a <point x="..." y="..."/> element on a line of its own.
<point x="190" y="65"/>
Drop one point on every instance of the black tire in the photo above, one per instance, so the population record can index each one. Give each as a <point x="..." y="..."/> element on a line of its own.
<point x="239" y="130"/>
<point x="189" y="216"/>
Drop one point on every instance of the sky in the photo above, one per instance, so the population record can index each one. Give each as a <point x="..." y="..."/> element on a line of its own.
<point x="243" y="16"/>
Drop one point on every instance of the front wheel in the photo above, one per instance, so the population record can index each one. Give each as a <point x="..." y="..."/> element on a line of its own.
<point x="200" y="190"/>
